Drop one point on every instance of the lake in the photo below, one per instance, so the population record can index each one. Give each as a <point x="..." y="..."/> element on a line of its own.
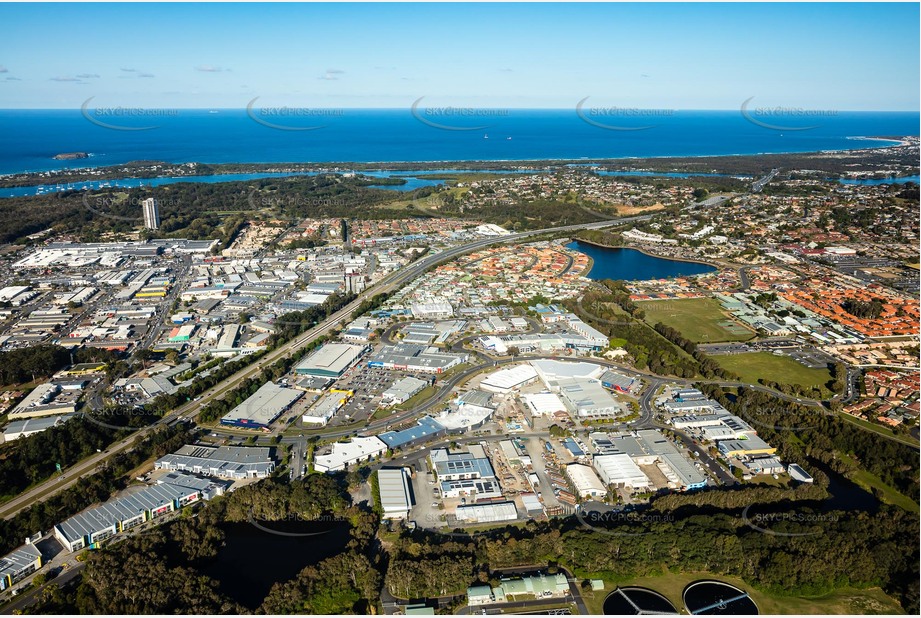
<point x="632" y="265"/>
<point x="254" y="558"/>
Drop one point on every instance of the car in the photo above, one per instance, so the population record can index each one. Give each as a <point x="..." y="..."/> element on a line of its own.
<point x="434" y="504"/>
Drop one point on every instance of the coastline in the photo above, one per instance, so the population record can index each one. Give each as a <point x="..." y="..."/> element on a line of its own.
<point x="645" y="251"/>
<point x="420" y="165"/>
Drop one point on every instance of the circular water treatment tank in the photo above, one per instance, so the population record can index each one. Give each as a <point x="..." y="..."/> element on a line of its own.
<point x="710" y="597"/>
<point x="635" y="601"/>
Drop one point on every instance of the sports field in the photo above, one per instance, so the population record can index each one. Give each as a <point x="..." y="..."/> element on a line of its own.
<point x="754" y="365"/>
<point x="701" y="320"/>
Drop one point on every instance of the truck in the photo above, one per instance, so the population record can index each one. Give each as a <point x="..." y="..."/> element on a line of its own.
<point x="568" y="498"/>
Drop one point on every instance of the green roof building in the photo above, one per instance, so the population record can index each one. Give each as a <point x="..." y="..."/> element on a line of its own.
<point x="537" y="585"/>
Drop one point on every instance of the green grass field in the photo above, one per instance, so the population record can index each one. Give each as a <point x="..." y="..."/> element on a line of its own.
<point x="701" y="320"/>
<point x="754" y="365"/>
<point x="844" y="601"/>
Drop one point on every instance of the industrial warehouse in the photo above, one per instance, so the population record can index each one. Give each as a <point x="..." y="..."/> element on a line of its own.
<point x="230" y="462"/>
<point x="326" y="407"/>
<point x="462" y="466"/>
<point x="507" y="380"/>
<point x="537" y="586"/>
<point x="331" y="360"/>
<point x="425" y="429"/>
<point x="395" y="492"/>
<point x="339" y="455"/>
<point x="585" y="482"/>
<point x="486" y="513"/>
<point x="579" y="389"/>
<point x="408" y="357"/>
<point x="647" y="447"/>
<point x="263" y="407"/>
<point x="18" y="564"/>
<point x="95" y="525"/>
<point x="402" y="390"/>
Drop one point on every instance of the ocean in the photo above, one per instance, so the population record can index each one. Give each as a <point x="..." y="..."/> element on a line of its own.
<point x="30" y="138"/>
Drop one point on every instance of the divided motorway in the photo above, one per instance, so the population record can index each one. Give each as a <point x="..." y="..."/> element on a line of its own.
<point x="392" y="282"/>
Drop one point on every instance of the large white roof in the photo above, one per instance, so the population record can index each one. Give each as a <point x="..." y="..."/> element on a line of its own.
<point x="347" y="452"/>
<point x="551" y="370"/>
<point x="264" y="405"/>
<point x="584" y="479"/>
<point x="619" y="469"/>
<point x="544" y="403"/>
<point x="507" y="379"/>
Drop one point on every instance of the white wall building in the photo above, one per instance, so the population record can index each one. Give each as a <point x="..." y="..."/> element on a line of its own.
<point x="620" y="471"/>
<point x="394" y="492"/>
<point x="151" y="213"/>
<point x="343" y="454"/>
<point x="585" y="482"/>
<point x="543" y="404"/>
<point x="507" y="380"/>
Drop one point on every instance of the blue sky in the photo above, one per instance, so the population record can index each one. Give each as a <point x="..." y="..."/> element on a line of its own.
<point x="675" y="56"/>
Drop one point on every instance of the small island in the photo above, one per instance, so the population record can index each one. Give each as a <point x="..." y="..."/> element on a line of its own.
<point x="70" y="156"/>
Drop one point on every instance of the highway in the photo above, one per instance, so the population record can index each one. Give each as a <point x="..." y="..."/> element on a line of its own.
<point x="392" y="282"/>
<point x="758" y="185"/>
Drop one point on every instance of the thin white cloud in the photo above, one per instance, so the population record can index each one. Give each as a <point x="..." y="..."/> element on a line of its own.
<point x="3" y="69"/>
<point x="66" y="79"/>
<point x="87" y="76"/>
<point x="331" y="75"/>
<point x="129" y="70"/>
<point x="207" y="68"/>
<point x="146" y="75"/>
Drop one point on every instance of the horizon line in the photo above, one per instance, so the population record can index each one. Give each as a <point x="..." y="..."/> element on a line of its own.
<point x="497" y="107"/>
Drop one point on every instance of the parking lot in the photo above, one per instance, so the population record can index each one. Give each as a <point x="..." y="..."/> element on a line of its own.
<point x="428" y="511"/>
<point x="717" y="349"/>
<point x="367" y="385"/>
<point x="535" y="450"/>
<point x="810" y="357"/>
